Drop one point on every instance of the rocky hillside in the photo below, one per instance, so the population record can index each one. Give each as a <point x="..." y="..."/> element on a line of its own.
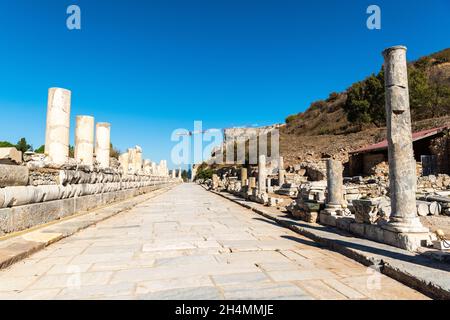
<point x="355" y="118"/>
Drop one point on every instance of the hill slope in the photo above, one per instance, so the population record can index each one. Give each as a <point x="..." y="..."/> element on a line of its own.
<point x="328" y="128"/>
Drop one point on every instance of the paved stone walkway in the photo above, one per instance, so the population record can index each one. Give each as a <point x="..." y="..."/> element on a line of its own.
<point x="191" y="244"/>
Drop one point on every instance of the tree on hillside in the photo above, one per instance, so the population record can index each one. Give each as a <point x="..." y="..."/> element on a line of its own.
<point x="41" y="149"/>
<point x="6" y="144"/>
<point x="419" y="93"/>
<point x="365" y="101"/>
<point x="114" y="152"/>
<point x="23" y="146"/>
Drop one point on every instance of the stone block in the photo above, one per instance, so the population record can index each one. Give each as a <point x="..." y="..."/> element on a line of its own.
<point x="374" y="232"/>
<point x="344" y="223"/>
<point x="11" y="175"/>
<point x="357" y="229"/>
<point x="328" y="219"/>
<point x="10" y="156"/>
<point x="441" y="245"/>
<point x="371" y="211"/>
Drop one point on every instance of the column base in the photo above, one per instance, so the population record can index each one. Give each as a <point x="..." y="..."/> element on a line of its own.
<point x="409" y="226"/>
<point x="333" y="210"/>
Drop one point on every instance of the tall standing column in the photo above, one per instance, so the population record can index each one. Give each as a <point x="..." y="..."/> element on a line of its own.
<point x="262" y="174"/>
<point x="335" y="182"/>
<point x="84" y="140"/>
<point x="103" y="143"/>
<point x="244" y="177"/>
<point x="402" y="166"/>
<point x="281" y="172"/>
<point x="58" y="125"/>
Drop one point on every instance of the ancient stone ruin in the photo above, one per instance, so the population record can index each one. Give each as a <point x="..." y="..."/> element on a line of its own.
<point x="39" y="188"/>
<point x="389" y="206"/>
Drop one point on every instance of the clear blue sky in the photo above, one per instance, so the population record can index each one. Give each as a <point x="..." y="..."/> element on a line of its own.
<point x="149" y="67"/>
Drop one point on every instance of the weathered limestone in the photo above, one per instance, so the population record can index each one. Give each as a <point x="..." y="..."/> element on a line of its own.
<point x="12" y="175"/>
<point x="58" y="125"/>
<point x="84" y="140"/>
<point x="262" y="175"/>
<point x="147" y="166"/>
<point x="138" y="162"/>
<point x="215" y="181"/>
<point x="103" y="144"/>
<point x="132" y="160"/>
<point x="281" y="172"/>
<point x="10" y="156"/>
<point x="402" y="166"/>
<point x="244" y="177"/>
<point x="124" y="162"/>
<point x="335" y="182"/>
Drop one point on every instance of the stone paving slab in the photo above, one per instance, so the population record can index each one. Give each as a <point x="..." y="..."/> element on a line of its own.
<point x="188" y="243"/>
<point x="417" y="271"/>
<point x="16" y="248"/>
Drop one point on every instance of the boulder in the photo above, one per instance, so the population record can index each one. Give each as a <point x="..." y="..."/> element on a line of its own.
<point x="10" y="156"/>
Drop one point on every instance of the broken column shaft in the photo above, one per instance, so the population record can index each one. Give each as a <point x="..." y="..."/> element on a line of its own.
<point x="103" y="144"/>
<point x="58" y="125"/>
<point x="84" y="140"/>
<point x="244" y="177"/>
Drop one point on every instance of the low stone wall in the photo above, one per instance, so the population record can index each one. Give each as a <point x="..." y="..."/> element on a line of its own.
<point x="23" y="217"/>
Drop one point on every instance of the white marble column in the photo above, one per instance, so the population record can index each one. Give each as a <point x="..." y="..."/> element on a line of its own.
<point x="84" y="140"/>
<point x="262" y="175"/>
<point x="58" y="125"/>
<point x="335" y="185"/>
<point x="103" y="144"/>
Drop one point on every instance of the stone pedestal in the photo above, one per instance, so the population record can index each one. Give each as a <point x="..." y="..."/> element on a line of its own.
<point x="103" y="144"/>
<point x="84" y="140"/>
<point x="335" y="179"/>
<point x="58" y="125"/>
<point x="262" y="175"/>
<point x="402" y="166"/>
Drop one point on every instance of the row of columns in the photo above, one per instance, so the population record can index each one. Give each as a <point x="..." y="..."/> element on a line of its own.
<point x="58" y="133"/>
<point x="88" y="145"/>
<point x="131" y="162"/>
